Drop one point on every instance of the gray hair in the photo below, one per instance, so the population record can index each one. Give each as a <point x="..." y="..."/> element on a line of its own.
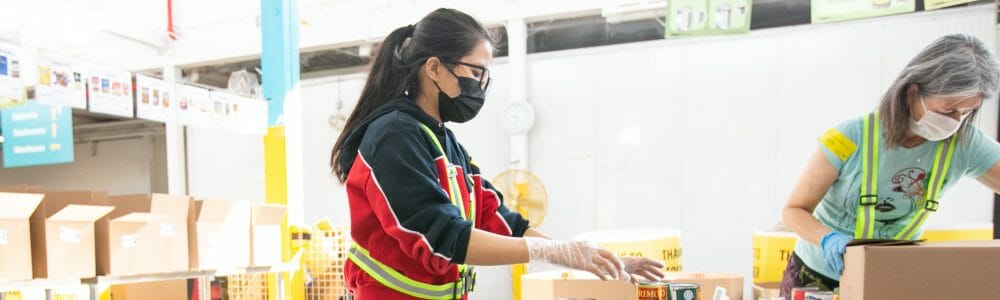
<point x="957" y="65"/>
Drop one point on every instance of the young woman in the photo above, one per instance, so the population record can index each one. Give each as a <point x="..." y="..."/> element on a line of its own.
<point x="421" y="213"/>
<point x="881" y="175"/>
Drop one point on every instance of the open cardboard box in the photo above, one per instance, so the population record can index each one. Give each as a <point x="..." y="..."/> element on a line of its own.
<point x="220" y="238"/>
<point x="173" y="230"/>
<point x="15" y="234"/>
<point x="895" y="271"/>
<point x="162" y="222"/>
<point x="732" y="283"/>
<point x="556" y="285"/>
<point x="766" y="290"/>
<point x="160" y="290"/>
<point x="63" y="235"/>
<point x="23" y="189"/>
<point x="126" y="241"/>
<point x="265" y="235"/>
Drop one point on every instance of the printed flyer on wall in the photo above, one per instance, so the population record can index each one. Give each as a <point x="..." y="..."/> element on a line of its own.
<point x="110" y="92"/>
<point x="825" y="11"/>
<point x="154" y="98"/>
<point x="60" y="82"/>
<point x="12" y="90"/>
<point x="938" y="4"/>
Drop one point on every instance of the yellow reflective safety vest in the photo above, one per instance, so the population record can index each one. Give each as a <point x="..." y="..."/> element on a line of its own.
<point x="865" y="227"/>
<point x="399" y="282"/>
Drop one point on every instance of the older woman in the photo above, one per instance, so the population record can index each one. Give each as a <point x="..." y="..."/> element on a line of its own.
<point x="880" y="176"/>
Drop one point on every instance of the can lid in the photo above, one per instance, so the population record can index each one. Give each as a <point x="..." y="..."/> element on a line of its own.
<point x="684" y="285"/>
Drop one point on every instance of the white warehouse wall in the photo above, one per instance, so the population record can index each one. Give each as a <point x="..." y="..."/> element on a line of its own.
<point x="131" y="166"/>
<point x="224" y="165"/>
<point x="706" y="135"/>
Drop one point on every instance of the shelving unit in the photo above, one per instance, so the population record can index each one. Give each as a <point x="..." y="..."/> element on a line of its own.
<point x="99" y="283"/>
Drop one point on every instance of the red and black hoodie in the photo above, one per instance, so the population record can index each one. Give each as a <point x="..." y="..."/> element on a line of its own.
<point x="399" y="211"/>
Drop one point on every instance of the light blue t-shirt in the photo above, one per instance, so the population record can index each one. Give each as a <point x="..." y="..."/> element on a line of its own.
<point x="903" y="176"/>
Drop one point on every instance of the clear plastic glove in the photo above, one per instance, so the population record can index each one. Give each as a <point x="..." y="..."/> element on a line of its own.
<point x="579" y="255"/>
<point x="648" y="268"/>
<point x="834" y="245"/>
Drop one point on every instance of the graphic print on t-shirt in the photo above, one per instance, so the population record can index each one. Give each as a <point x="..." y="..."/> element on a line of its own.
<point x="894" y="205"/>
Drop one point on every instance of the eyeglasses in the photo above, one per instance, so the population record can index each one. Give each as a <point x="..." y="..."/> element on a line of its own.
<point x="483" y="77"/>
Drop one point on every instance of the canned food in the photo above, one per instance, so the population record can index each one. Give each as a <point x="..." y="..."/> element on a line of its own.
<point x="684" y="291"/>
<point x="800" y="293"/>
<point x="652" y="290"/>
<point x="817" y="295"/>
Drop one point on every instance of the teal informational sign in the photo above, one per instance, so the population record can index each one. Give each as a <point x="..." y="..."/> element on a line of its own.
<point x="36" y="134"/>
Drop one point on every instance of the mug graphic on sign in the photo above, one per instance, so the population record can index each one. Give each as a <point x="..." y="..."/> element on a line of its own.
<point x="723" y="13"/>
<point x="686" y="20"/>
<point x="730" y="17"/>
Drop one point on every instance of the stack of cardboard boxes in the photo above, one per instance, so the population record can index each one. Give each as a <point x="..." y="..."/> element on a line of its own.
<point x="581" y="285"/>
<point x="82" y="234"/>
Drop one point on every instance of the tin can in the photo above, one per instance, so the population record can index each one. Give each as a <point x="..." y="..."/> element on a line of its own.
<point x="684" y="291"/>
<point x="817" y="295"/>
<point x="800" y="293"/>
<point x="652" y="290"/>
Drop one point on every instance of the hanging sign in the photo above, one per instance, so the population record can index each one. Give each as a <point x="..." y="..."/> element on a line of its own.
<point x="60" y="82"/>
<point x="36" y="134"/>
<point x="825" y="11"/>
<point x="12" y="91"/>
<point x="109" y="91"/>
<point x="154" y="99"/>
<point x="193" y="106"/>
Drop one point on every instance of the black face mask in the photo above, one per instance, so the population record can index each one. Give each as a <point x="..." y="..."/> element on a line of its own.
<point x="463" y="108"/>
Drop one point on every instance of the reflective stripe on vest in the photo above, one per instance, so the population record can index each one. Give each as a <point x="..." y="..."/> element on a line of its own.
<point x="453" y="188"/>
<point x="865" y="227"/>
<point x="399" y="282"/>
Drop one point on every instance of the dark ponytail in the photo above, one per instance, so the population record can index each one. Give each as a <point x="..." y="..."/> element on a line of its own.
<point x="447" y="34"/>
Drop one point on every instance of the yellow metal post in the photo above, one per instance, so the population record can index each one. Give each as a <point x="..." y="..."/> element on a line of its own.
<point x="276" y="190"/>
<point x="515" y="279"/>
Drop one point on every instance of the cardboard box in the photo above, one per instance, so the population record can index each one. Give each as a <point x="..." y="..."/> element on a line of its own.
<point x="126" y="241"/>
<point x="63" y="235"/>
<point x="766" y="290"/>
<point x="161" y="290"/>
<point x="574" y="284"/>
<point x="172" y="230"/>
<point x="15" y="234"/>
<point x="954" y="270"/>
<point x="22" y="188"/>
<point x="733" y="283"/>
<point x="221" y="235"/>
<point x="265" y="235"/>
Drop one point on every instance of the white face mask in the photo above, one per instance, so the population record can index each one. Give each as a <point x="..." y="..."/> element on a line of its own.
<point x="935" y="126"/>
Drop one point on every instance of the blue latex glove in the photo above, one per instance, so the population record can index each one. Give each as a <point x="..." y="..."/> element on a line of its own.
<point x="834" y="245"/>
